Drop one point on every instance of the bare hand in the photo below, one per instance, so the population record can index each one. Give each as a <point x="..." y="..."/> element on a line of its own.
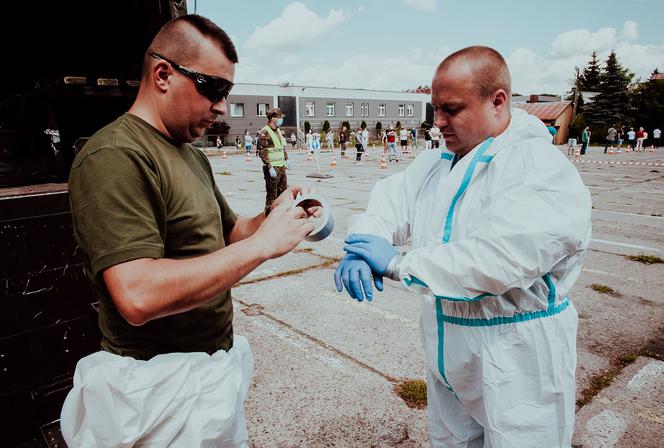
<point x="283" y="229"/>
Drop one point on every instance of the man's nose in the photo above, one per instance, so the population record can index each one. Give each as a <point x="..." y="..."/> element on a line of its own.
<point x="220" y="107"/>
<point x="440" y="119"/>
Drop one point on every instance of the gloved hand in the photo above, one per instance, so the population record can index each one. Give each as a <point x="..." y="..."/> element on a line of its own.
<point x="375" y="250"/>
<point x="288" y="164"/>
<point x="356" y="276"/>
<point x="273" y="172"/>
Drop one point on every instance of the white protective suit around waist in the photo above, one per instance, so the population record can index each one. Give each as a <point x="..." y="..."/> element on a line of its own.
<point x="498" y="239"/>
<point x="173" y="400"/>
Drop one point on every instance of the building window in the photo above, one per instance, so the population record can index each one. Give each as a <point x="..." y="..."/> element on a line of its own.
<point x="349" y="109"/>
<point x="261" y="109"/>
<point x="237" y="109"/>
<point x="410" y="110"/>
<point x="329" y="109"/>
<point x="364" y="109"/>
<point x="310" y="108"/>
<point x="402" y="110"/>
<point x="381" y="110"/>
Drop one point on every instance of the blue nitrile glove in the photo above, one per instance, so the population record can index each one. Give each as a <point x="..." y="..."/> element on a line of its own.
<point x="375" y="250"/>
<point x="355" y="274"/>
<point x="273" y="172"/>
<point x="288" y="164"/>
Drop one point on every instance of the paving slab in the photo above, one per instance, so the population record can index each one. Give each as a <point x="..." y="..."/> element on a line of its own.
<point x="627" y="414"/>
<point x="305" y="395"/>
<point x="383" y="334"/>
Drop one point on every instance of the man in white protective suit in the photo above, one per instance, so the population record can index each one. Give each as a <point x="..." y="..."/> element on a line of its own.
<point x="498" y="222"/>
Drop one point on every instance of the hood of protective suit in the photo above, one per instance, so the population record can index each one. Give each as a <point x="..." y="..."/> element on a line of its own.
<point x="522" y="127"/>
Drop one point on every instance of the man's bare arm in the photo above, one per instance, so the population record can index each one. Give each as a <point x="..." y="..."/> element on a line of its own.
<point x="147" y="289"/>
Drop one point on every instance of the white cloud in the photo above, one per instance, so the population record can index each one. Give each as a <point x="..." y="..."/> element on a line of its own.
<point x="297" y="27"/>
<point x="422" y="5"/>
<point x="583" y="41"/>
<point x="553" y="73"/>
<point x="630" y="31"/>
<point x="360" y="8"/>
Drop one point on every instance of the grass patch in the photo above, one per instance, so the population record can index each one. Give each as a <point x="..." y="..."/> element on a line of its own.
<point x="224" y="173"/>
<point x="413" y="392"/>
<point x="656" y="214"/>
<point x="628" y="359"/>
<point x="603" y="289"/>
<point x="645" y="259"/>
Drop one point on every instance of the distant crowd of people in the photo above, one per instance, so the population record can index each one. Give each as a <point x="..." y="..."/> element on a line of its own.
<point x="395" y="140"/>
<point x="616" y="136"/>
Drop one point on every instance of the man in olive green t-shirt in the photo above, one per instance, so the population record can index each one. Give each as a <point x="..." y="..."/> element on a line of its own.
<point x="161" y="245"/>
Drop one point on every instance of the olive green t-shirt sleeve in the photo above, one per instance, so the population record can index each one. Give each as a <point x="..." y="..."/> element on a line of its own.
<point x="118" y="207"/>
<point x="228" y="216"/>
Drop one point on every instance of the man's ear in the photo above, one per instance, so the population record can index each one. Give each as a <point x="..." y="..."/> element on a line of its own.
<point x="500" y="100"/>
<point x="160" y="73"/>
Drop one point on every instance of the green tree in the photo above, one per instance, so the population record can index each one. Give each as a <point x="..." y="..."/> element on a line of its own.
<point x="347" y="124"/>
<point x="648" y="100"/>
<point x="590" y="81"/>
<point x="326" y="126"/>
<point x="612" y="105"/>
<point x="307" y="126"/>
<point x="398" y="125"/>
<point x="379" y="127"/>
<point x="363" y="125"/>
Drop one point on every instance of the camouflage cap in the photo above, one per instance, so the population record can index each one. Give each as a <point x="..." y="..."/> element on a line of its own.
<point x="274" y="112"/>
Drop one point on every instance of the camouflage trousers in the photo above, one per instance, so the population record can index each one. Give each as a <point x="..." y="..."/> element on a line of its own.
<point x="274" y="186"/>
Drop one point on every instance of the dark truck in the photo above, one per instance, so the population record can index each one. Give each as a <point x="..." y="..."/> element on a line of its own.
<point x="68" y="68"/>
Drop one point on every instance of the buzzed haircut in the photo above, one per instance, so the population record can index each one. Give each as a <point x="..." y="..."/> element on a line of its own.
<point x="179" y="40"/>
<point x="489" y="69"/>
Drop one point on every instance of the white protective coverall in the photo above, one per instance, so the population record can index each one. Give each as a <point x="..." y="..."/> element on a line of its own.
<point x="173" y="400"/>
<point x="496" y="245"/>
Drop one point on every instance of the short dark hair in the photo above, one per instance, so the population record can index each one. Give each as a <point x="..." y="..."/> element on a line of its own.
<point x="176" y="41"/>
<point x="489" y="68"/>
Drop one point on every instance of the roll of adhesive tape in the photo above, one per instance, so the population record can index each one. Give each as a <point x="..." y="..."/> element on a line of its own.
<point x="324" y="223"/>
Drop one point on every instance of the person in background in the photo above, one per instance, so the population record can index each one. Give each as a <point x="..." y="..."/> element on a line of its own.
<point x="359" y="147"/>
<point x="571" y="142"/>
<point x="343" y="139"/>
<point x="392" y="144"/>
<point x="553" y="131"/>
<point x="329" y="137"/>
<point x="657" y="138"/>
<point x="585" y="139"/>
<point x="611" y="138"/>
<point x="435" y="136"/>
<point x="403" y="139"/>
<point x="413" y="137"/>
<point x="247" y="141"/>
<point x="272" y="151"/>
<point x="639" y="140"/>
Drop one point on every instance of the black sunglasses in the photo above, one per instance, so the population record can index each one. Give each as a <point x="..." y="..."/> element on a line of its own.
<point x="213" y="88"/>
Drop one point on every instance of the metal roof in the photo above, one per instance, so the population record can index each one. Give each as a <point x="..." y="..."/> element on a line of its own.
<point x="545" y="111"/>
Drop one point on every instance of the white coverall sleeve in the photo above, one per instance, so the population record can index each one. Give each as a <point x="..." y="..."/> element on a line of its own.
<point x="539" y="216"/>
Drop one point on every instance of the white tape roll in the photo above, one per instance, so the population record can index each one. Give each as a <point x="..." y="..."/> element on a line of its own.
<point x="325" y="223"/>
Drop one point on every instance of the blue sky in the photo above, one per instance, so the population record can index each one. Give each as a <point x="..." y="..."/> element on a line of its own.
<point x="396" y="44"/>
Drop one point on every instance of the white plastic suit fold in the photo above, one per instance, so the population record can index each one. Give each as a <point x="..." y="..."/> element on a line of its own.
<point x="497" y="242"/>
<point x="173" y="400"/>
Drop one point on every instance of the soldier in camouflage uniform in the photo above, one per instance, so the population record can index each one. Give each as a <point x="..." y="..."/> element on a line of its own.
<point x="272" y="151"/>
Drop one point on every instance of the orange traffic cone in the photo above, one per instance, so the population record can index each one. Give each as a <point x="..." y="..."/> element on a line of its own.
<point x="223" y="154"/>
<point x="383" y="164"/>
<point x="334" y="160"/>
<point x="247" y="158"/>
<point x="309" y="156"/>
